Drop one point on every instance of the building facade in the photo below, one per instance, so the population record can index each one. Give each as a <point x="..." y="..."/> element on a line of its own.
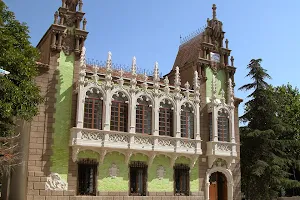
<point x="104" y="133"/>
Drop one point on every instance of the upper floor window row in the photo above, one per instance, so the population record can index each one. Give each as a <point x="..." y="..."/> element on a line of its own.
<point x="144" y="115"/>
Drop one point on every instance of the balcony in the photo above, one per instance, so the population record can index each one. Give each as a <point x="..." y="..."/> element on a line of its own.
<point x="99" y="140"/>
<point x="221" y="150"/>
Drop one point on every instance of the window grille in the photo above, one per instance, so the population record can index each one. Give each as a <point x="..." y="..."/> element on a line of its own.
<point x="87" y="177"/>
<point x="182" y="180"/>
<point x="138" y="178"/>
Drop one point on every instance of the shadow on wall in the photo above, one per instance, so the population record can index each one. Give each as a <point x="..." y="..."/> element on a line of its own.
<point x="59" y="110"/>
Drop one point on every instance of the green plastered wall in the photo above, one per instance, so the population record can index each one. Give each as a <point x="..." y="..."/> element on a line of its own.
<point x="220" y="80"/>
<point x="166" y="183"/>
<point x="194" y="173"/>
<point x="63" y="109"/>
<point x="109" y="184"/>
<point x="120" y="183"/>
<point x="88" y="154"/>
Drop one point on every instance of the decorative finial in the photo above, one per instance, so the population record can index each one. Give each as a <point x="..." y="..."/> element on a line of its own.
<point x="214" y="11"/>
<point x="156" y="72"/>
<point x="121" y="79"/>
<point x="95" y="76"/>
<point x="167" y="86"/>
<point x="177" y="77"/>
<point x="145" y="79"/>
<point x="63" y="4"/>
<point x="84" y="24"/>
<point x="230" y="93"/>
<point x="196" y="81"/>
<point x="187" y="89"/>
<point x="214" y="87"/>
<point x="80" y="5"/>
<point x="207" y="20"/>
<point x="133" y="66"/>
<point x="226" y="42"/>
<point x="222" y="96"/>
<point x="109" y="62"/>
<point x="56" y="17"/>
<point x="232" y="61"/>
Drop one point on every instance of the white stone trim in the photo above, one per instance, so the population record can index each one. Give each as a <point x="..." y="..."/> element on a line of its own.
<point x="229" y="178"/>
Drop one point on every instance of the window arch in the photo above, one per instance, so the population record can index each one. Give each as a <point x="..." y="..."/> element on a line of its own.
<point x="119" y="112"/>
<point x="143" y="115"/>
<point x="166" y="118"/>
<point x="187" y="121"/>
<point x="223" y="125"/>
<point x="93" y="109"/>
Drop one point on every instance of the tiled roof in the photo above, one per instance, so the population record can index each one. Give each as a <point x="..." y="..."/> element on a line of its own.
<point x="188" y="52"/>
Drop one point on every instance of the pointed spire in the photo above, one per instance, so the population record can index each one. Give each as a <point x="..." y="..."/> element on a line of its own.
<point x="133" y="66"/>
<point x="108" y="77"/>
<point x="156" y="79"/>
<point x="214" y="8"/>
<point x="177" y="84"/>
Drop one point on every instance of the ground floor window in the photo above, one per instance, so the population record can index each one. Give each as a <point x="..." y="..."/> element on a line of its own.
<point x="182" y="179"/>
<point x="138" y="178"/>
<point x="87" y="176"/>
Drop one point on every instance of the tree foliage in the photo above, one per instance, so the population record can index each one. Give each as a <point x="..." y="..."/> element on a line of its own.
<point x="19" y="95"/>
<point x="269" y="142"/>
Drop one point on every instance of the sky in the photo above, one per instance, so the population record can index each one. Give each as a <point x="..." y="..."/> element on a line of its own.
<point x="150" y="30"/>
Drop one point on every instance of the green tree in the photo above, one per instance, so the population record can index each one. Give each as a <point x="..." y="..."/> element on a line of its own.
<point x="19" y="95"/>
<point x="264" y="155"/>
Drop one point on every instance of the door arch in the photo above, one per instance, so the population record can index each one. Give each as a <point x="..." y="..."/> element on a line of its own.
<point x="224" y="177"/>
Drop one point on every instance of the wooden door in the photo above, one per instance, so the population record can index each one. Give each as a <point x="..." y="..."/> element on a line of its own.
<point x="213" y="191"/>
<point x="225" y="195"/>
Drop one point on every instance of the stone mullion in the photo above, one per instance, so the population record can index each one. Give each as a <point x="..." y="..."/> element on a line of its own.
<point x="132" y="113"/>
<point x="215" y="124"/>
<point x="80" y="107"/>
<point x="107" y="103"/>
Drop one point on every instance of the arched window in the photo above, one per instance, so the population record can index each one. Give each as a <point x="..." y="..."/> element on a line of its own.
<point x="223" y="125"/>
<point x="166" y="118"/>
<point x="143" y="115"/>
<point x="119" y="113"/>
<point x="187" y="121"/>
<point x="93" y="109"/>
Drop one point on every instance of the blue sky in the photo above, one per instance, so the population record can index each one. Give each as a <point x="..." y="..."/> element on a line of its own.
<point x="150" y="30"/>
